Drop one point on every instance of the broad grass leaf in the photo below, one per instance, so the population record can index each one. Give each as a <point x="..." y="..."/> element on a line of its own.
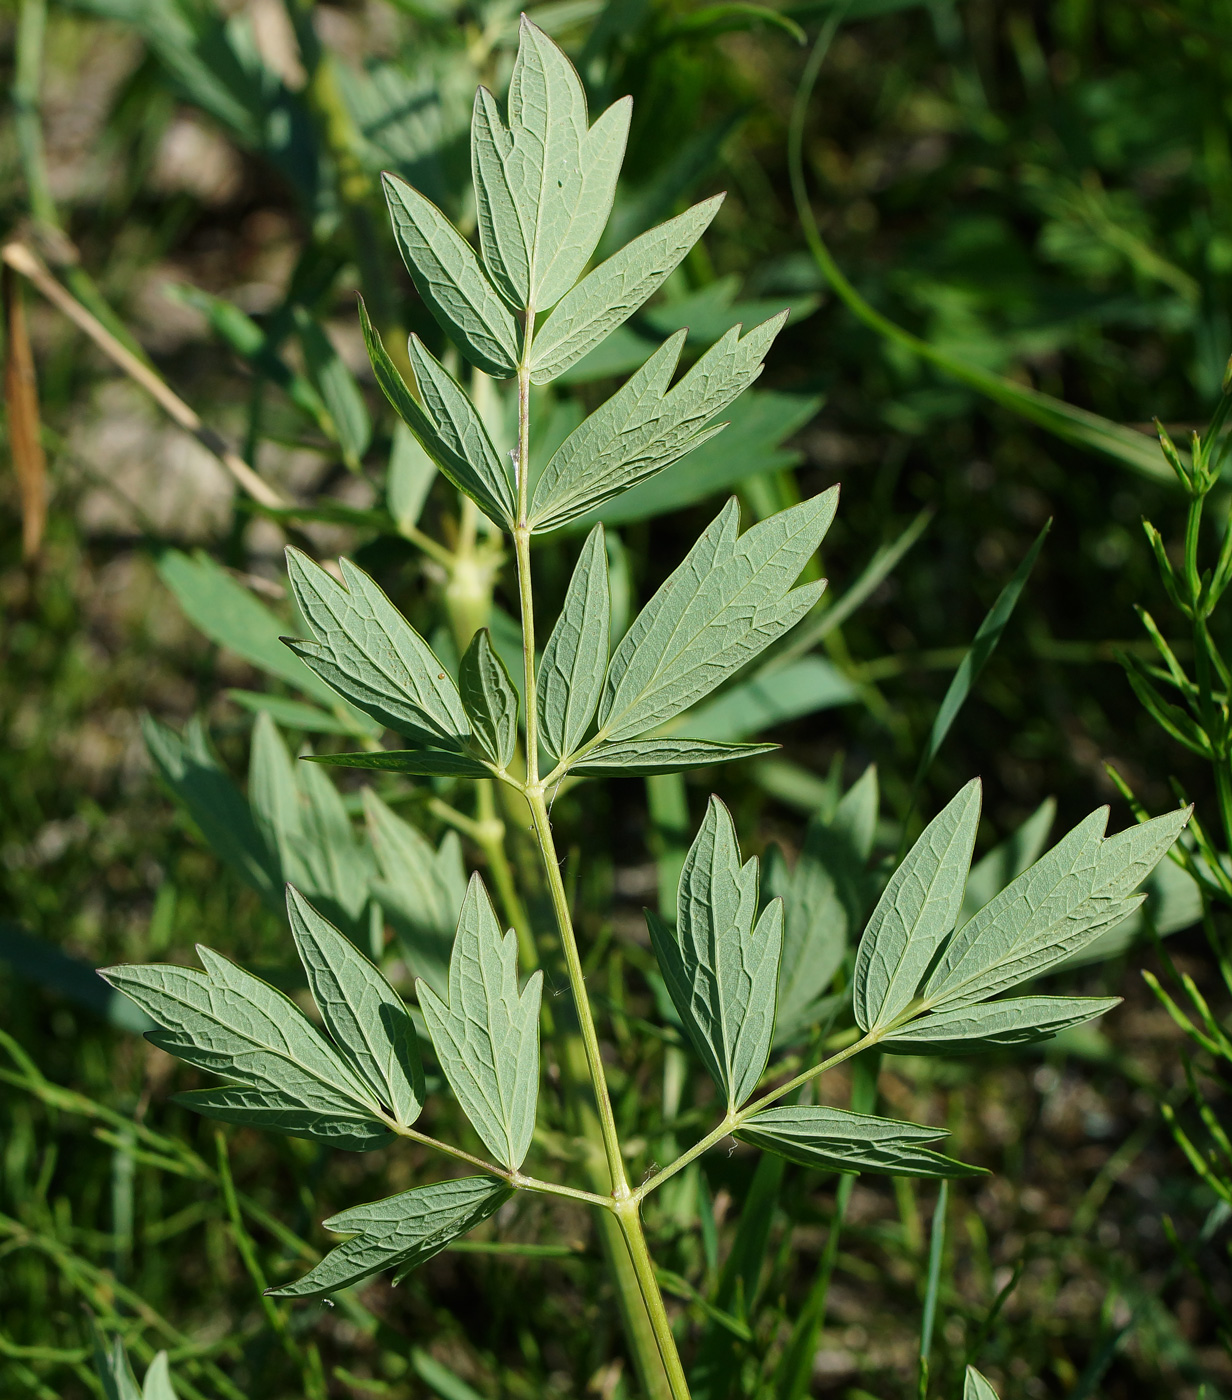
<point x="416" y="763"/>
<point x="1005" y="862"/>
<point x="490" y="699"/>
<point x="348" y="414"/>
<point x="236" y="1026"/>
<point x="452" y="282"/>
<point x="400" y="1232"/>
<point x="227" y="613"/>
<point x="646" y="426"/>
<point x="976" y="1387"/>
<point x="995" y="1024"/>
<point x="731" y="598"/>
<point x="366" y="1018"/>
<point x="487" y="1034"/>
<point x="824" y="898"/>
<point x="832" y="1139"/>
<point x="570" y="675"/>
<point x="216" y="806"/>
<point x="609" y="295"/>
<point x="421" y="889"/>
<point x="915" y="913"/>
<point x="1083" y="886"/>
<point x="648" y="756"/>
<point x="445" y="423"/>
<point x="544" y="186"/>
<point x="720" y="967"/>
<point x="371" y="655"/>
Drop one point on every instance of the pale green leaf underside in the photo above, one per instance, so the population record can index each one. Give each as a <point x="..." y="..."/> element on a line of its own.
<point x="367" y="1019"/>
<point x="915" y="913"/>
<point x="609" y="295"/>
<point x="341" y="1126"/>
<point x="976" y="1387"/>
<point x="400" y="1232"/>
<point x="417" y="763"/>
<point x="487" y="1034"/>
<point x="368" y="652"/>
<point x="570" y="676"/>
<point x="489" y="697"/>
<point x="158" y="1380"/>
<point x="648" y="756"/>
<point x="720" y="967"/>
<point x="445" y="424"/>
<point x="646" y="426"/>
<point x="452" y="282"/>
<point x="992" y="1024"/>
<point x="731" y="598"/>
<point x="833" y="1139"/>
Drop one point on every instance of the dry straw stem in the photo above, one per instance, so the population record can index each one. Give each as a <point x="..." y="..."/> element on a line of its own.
<point x="20" y="258"/>
<point x="22" y="406"/>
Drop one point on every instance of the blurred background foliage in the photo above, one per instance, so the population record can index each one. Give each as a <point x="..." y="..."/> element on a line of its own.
<point x="1040" y="191"/>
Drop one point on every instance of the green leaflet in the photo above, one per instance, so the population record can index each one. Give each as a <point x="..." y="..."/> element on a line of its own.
<point x="647" y="756"/>
<point x="417" y="763"/>
<point x="446" y="424"/>
<point x="730" y="598"/>
<point x="115" y="1371"/>
<point x="487" y="1036"/>
<point x="645" y="427"/>
<point x="990" y="875"/>
<point x="720" y="969"/>
<point x="400" y="1232"/>
<point x="1017" y="1021"/>
<point x="449" y="277"/>
<point x="411" y="472"/>
<point x="1081" y="887"/>
<point x="215" y="804"/>
<point x="371" y="655"/>
<point x="544" y="187"/>
<point x="771" y="695"/>
<point x="365" y="1016"/>
<point x="158" y="1379"/>
<point x="231" y="616"/>
<point x="575" y="659"/>
<point x="833" y="1139"/>
<point x="231" y="1023"/>
<point x="824" y="897"/>
<point x="915" y="913"/>
<point x="614" y="290"/>
<point x="975" y="1387"/>
<point x="420" y="889"/>
<point x="490" y="700"/>
<point x="291" y="714"/>
<point x="338" y="390"/>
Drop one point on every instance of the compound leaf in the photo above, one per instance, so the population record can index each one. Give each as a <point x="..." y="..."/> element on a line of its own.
<point x="720" y="969"/>
<point x="834" y="1139"/>
<point x="915" y="913"/>
<point x="993" y="1024"/>
<point x="645" y="427"/>
<point x="365" y="1016"/>
<point x="490" y="699"/>
<point x="647" y="756"/>
<point x="575" y="658"/>
<point x="371" y="655"/>
<point x="609" y="295"/>
<point x="730" y="598"/>
<point x="452" y="282"/>
<point x="445" y="423"/>
<point x="400" y="1232"/>
<point x="487" y="1034"/>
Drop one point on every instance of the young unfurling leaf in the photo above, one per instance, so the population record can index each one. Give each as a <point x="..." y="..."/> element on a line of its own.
<point x="452" y="282"/>
<point x="609" y="295"/>
<point x="489" y="697"/>
<point x="400" y="1232"/>
<point x="720" y="968"/>
<point x="575" y="658"/>
<point x="544" y="186"/>
<point x="731" y="597"/>
<point x="372" y="656"/>
<point x="487" y="1034"/>
<point x="646" y="426"/>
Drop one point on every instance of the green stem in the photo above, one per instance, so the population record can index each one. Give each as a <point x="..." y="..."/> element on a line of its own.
<point x="635" y="1240"/>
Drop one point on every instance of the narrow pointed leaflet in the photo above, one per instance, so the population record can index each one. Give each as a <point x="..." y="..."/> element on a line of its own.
<point x="544" y="185"/>
<point x="994" y="1024"/>
<point x="650" y="756"/>
<point x="575" y="658"/>
<point x="489" y="697"/>
<point x="730" y="599"/>
<point x="720" y="967"/>
<point x="487" y="1034"/>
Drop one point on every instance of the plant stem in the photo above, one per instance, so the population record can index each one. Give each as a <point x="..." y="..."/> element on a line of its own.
<point x="635" y="1239"/>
